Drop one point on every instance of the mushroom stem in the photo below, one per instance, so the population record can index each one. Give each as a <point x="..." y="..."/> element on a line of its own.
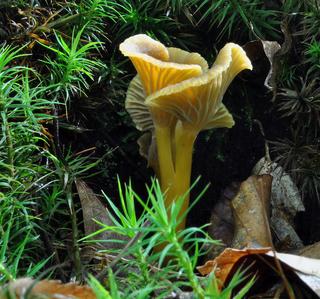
<point x="175" y="181"/>
<point x="185" y="138"/>
<point x="163" y="137"/>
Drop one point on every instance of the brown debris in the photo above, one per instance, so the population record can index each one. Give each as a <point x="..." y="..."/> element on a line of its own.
<point x="94" y="210"/>
<point x="251" y="209"/>
<point x="303" y="273"/>
<point x="223" y="264"/>
<point x="285" y="201"/>
<point x="48" y="289"/>
<point x="312" y="251"/>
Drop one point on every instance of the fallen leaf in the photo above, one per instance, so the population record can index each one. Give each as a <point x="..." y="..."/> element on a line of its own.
<point x="223" y="264"/>
<point x="303" y="273"/>
<point x="284" y="190"/>
<point x="285" y="203"/>
<point x="312" y="251"/>
<point x="270" y="49"/>
<point x="262" y="53"/>
<point x="240" y="218"/>
<point x="49" y="289"/>
<point x="307" y="269"/>
<point x="285" y="236"/>
<point x="251" y="209"/>
<point x="93" y="209"/>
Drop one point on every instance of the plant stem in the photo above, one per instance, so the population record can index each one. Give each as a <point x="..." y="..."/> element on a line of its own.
<point x="75" y="232"/>
<point x="57" y="23"/>
<point x="186" y="264"/>
<point x="9" y="145"/>
<point x="4" y="271"/>
<point x="143" y="264"/>
<point x="184" y="145"/>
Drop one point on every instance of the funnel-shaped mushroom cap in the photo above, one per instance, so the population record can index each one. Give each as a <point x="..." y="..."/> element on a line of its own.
<point x="135" y="101"/>
<point x="135" y="105"/>
<point x="140" y="113"/>
<point x="182" y="57"/>
<point x="197" y="101"/>
<point x="158" y="66"/>
<point x="221" y="119"/>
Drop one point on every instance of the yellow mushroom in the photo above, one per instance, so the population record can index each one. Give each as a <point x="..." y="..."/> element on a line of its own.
<point x="158" y="67"/>
<point x="177" y="96"/>
<point x="197" y="100"/>
<point x="196" y="103"/>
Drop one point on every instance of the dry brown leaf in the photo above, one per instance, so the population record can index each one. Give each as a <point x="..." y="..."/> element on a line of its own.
<point x="262" y="53"/>
<point x="285" y="236"/>
<point x="285" y="203"/>
<point x="223" y="264"/>
<point x="251" y="208"/>
<point x="264" y="267"/>
<point x="49" y="289"/>
<point x="93" y="209"/>
<point x="312" y="251"/>
<point x="307" y="269"/>
<point x="284" y="191"/>
<point x="240" y="218"/>
<point x="270" y="49"/>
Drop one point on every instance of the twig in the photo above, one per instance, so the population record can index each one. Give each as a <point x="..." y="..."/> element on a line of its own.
<point x="75" y="232"/>
<point x="266" y="146"/>
<point x="281" y="273"/>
